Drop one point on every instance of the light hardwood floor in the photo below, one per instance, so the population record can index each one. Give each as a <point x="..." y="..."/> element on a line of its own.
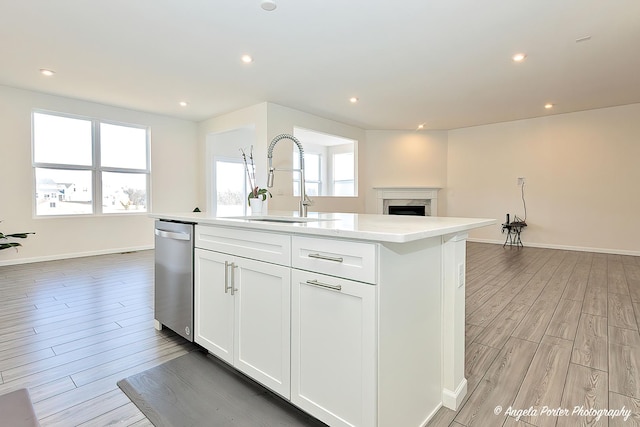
<point x="544" y="328"/>
<point x="69" y="330"/>
<point x="549" y="330"/>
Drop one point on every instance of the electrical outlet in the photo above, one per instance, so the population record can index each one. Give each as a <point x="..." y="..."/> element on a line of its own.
<point x="520" y="181"/>
<point x="460" y="275"/>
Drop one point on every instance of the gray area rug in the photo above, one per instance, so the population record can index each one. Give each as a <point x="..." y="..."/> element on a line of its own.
<point x="198" y="390"/>
<point x="16" y="409"/>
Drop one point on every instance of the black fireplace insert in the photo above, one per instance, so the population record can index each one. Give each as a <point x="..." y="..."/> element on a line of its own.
<point x="407" y="210"/>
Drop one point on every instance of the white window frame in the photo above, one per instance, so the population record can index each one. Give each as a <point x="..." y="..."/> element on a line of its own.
<point x="296" y="174"/>
<point x="335" y="181"/>
<point x="95" y="168"/>
<point x="325" y="144"/>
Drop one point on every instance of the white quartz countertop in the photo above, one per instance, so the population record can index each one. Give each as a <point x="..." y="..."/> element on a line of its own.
<point x="379" y="228"/>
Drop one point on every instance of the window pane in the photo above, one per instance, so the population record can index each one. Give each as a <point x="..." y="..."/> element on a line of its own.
<point x="124" y="192"/>
<point x="311" y="188"/>
<point x="230" y="188"/>
<point x="61" y="140"/>
<point x="312" y="167"/>
<point x="343" y="166"/>
<point x="343" y="188"/>
<point x="123" y="146"/>
<point x="63" y="192"/>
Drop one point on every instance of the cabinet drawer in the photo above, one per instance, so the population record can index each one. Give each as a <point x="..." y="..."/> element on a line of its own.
<point x="351" y="260"/>
<point x="264" y="246"/>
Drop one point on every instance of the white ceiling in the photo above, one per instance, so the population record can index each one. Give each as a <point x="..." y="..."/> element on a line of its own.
<point x="445" y="63"/>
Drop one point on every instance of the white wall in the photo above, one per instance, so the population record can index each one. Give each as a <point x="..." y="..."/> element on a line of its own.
<point x="582" y="178"/>
<point x="405" y="159"/>
<point x="580" y="168"/>
<point x="173" y="186"/>
<point x="270" y="120"/>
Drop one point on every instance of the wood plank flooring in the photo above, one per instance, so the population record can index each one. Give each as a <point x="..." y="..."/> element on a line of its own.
<point x="69" y="330"/>
<point x="549" y="330"/>
<point x="544" y="328"/>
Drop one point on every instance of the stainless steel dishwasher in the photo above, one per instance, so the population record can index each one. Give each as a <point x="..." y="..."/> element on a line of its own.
<point x="173" y="297"/>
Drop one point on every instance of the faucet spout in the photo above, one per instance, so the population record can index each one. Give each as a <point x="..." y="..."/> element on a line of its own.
<point x="304" y="199"/>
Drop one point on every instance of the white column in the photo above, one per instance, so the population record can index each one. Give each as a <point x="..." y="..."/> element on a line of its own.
<point x="454" y="384"/>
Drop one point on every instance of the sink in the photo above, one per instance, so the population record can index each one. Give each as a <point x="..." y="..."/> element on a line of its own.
<point x="280" y="219"/>
<point x="283" y="220"/>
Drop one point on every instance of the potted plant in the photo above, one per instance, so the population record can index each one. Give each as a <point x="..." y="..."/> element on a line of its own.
<point x="257" y="195"/>
<point x="6" y="240"/>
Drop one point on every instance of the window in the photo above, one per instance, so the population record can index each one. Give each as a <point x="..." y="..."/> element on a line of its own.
<point x="231" y="187"/>
<point x="343" y="182"/>
<point x="312" y="175"/>
<point x="85" y="166"/>
<point x="330" y="164"/>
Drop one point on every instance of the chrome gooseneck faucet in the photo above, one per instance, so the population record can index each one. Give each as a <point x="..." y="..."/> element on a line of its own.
<point x="304" y="199"/>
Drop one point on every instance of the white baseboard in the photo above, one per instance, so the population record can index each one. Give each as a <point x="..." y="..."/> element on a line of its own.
<point x="431" y="415"/>
<point x="452" y="399"/>
<point x="74" y="255"/>
<point x="564" y="247"/>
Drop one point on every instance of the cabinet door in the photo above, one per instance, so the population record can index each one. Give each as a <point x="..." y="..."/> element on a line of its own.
<point x="333" y="353"/>
<point x="213" y="316"/>
<point x="263" y="322"/>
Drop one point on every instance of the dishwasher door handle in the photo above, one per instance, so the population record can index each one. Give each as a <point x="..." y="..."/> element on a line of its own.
<point x="172" y="235"/>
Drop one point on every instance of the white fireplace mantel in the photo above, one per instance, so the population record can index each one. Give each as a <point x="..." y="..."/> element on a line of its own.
<point x="407" y="193"/>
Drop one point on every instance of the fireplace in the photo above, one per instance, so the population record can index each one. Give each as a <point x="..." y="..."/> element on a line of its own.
<point x="407" y="210"/>
<point x="421" y="201"/>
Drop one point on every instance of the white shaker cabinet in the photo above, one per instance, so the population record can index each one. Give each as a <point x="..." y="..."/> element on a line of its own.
<point x="214" y="307"/>
<point x="242" y="315"/>
<point x="333" y="350"/>
<point x="356" y="332"/>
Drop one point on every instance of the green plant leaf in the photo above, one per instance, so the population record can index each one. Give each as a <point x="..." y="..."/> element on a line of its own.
<point x="16" y="235"/>
<point x="259" y="193"/>
<point x="9" y="245"/>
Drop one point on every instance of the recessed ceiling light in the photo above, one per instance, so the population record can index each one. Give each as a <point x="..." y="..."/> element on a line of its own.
<point x="518" y="57"/>
<point x="268" y="5"/>
<point x="548" y="105"/>
<point x="353" y="100"/>
<point x="183" y="103"/>
<point x="46" y="72"/>
<point x="421" y="126"/>
<point x="247" y="59"/>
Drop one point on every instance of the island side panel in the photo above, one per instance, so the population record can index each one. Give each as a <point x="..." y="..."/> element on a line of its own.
<point x="453" y="322"/>
<point x="409" y="332"/>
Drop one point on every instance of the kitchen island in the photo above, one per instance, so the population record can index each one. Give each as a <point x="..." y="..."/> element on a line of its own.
<point x="357" y="319"/>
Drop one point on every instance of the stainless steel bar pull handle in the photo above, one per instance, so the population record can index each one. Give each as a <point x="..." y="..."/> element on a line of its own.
<point x="229" y="279"/>
<point x="172" y="235"/>
<point x="233" y="278"/>
<point x="326" y="257"/>
<point x="226" y="277"/>
<point x="324" y="285"/>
